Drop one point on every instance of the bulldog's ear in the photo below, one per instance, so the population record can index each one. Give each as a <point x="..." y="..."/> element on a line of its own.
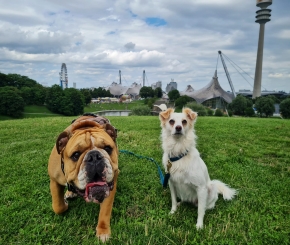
<point x="189" y="113"/>
<point x="163" y="116"/>
<point x="111" y="131"/>
<point x="61" y="141"/>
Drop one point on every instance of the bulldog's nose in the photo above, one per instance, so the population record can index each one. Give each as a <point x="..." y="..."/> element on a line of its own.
<point x="94" y="156"/>
<point x="178" y="128"/>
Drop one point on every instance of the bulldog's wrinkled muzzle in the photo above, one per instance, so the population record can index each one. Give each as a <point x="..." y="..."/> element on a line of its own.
<point x="97" y="188"/>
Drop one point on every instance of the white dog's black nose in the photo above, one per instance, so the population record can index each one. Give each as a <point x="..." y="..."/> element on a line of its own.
<point x="178" y="128"/>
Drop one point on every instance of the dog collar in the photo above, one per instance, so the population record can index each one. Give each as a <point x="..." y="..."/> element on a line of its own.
<point x="174" y="159"/>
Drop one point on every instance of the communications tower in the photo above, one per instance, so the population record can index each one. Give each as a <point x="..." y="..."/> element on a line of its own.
<point x="262" y="17"/>
<point x="63" y="76"/>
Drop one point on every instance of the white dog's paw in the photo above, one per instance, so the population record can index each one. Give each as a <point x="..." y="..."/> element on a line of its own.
<point x="199" y="226"/>
<point x="174" y="208"/>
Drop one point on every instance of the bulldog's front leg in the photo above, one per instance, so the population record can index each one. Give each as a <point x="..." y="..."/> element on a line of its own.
<point x="103" y="230"/>
<point x="57" y="193"/>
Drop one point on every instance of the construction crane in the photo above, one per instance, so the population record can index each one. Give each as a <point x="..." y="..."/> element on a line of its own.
<point x="227" y="73"/>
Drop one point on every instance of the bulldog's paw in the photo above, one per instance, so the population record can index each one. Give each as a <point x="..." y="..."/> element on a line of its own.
<point x="104" y="237"/>
<point x="59" y="209"/>
<point x="70" y="195"/>
<point x="103" y="232"/>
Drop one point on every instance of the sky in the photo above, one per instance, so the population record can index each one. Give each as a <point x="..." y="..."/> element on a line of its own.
<point x="169" y="39"/>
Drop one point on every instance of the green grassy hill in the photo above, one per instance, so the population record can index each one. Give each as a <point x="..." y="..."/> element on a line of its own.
<point x="250" y="154"/>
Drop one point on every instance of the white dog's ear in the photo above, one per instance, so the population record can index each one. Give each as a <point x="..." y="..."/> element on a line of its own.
<point x="190" y="114"/>
<point x="164" y="115"/>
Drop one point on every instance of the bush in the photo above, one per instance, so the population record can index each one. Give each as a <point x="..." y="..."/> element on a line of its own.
<point x="249" y="112"/>
<point x="209" y="112"/>
<point x="199" y="108"/>
<point x="239" y="105"/>
<point x="285" y="108"/>
<point x="151" y="102"/>
<point x="141" y="110"/>
<point x="230" y="113"/>
<point x="218" y="113"/>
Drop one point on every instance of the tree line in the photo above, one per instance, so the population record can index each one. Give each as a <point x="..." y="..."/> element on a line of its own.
<point x="264" y="106"/>
<point x="17" y="91"/>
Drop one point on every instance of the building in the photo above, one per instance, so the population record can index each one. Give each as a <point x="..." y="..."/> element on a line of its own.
<point x="212" y="95"/>
<point x="156" y="85"/>
<point x="171" y="86"/>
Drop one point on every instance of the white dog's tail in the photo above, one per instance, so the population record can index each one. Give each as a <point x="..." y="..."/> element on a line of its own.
<point x="222" y="188"/>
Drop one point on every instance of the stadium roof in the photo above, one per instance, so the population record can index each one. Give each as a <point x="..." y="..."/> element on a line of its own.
<point x="210" y="91"/>
<point x="118" y="89"/>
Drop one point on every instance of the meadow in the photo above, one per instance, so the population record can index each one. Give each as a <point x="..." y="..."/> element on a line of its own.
<point x="250" y="154"/>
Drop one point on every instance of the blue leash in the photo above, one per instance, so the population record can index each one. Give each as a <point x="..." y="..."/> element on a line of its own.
<point x="163" y="180"/>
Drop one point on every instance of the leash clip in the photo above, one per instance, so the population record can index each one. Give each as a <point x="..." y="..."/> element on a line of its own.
<point x="169" y="165"/>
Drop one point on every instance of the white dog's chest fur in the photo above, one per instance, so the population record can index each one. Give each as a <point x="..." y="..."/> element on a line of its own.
<point x="187" y="174"/>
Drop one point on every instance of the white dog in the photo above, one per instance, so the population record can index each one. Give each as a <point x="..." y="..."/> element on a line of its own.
<point x="189" y="179"/>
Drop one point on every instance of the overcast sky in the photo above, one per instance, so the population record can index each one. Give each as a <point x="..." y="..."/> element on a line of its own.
<point x="169" y="39"/>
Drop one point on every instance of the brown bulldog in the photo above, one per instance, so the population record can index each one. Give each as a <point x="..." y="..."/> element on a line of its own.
<point x="85" y="159"/>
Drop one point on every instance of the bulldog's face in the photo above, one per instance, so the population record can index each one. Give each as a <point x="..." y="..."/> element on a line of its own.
<point x="90" y="160"/>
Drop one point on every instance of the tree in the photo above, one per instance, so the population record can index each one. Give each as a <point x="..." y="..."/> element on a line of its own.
<point x="4" y="81"/>
<point x="173" y="95"/>
<point x="265" y="106"/>
<point x="285" y="108"/>
<point x="146" y="92"/>
<point x="39" y="94"/>
<point x="54" y="97"/>
<point x="100" y="92"/>
<point x="158" y="92"/>
<point x="27" y="95"/>
<point x="182" y="101"/>
<point x="11" y="103"/>
<point x="199" y="108"/>
<point x="239" y="105"/>
<point x="72" y="103"/>
<point x="87" y="95"/>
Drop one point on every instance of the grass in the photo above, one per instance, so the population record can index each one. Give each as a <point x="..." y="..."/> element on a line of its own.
<point x="249" y="154"/>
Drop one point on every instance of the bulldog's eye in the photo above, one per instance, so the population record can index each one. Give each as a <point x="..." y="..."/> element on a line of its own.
<point x="108" y="149"/>
<point x="75" y="156"/>
<point x="171" y="122"/>
<point x="184" y="122"/>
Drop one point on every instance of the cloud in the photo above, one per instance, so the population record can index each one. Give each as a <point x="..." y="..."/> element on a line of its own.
<point x="279" y="75"/>
<point x="137" y="59"/>
<point x="167" y="38"/>
<point x="130" y="46"/>
<point x="38" y="41"/>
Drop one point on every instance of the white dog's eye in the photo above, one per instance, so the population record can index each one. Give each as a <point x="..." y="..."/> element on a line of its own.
<point x="171" y="122"/>
<point x="184" y="122"/>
